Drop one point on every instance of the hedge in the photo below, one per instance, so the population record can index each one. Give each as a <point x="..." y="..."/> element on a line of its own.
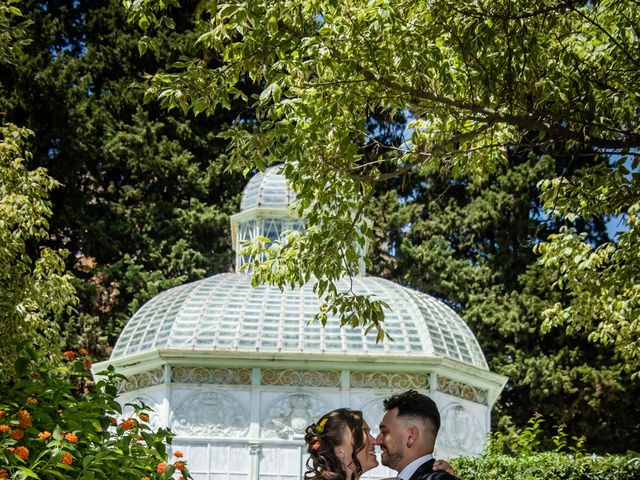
<point x="548" y="466"/>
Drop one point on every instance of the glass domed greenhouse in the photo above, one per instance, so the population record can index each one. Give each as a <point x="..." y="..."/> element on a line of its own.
<point x="238" y="372"/>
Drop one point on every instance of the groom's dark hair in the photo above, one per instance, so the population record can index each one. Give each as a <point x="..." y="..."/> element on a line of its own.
<point x="414" y="404"/>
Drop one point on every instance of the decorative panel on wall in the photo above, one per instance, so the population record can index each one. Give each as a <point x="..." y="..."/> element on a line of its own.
<point x="460" y="430"/>
<point x="210" y="414"/>
<point x="289" y="415"/>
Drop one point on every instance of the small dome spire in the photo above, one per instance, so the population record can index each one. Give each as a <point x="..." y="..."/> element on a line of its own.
<point x="267" y="189"/>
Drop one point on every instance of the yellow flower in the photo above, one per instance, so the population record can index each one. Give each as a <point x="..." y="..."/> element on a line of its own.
<point x="321" y="424"/>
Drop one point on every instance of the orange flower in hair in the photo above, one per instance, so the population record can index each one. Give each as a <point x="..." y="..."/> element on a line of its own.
<point x="315" y="445"/>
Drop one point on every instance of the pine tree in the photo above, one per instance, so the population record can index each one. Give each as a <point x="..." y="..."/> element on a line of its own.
<point x="145" y="194"/>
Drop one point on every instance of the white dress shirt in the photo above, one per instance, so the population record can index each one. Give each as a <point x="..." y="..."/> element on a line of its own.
<point x="410" y="469"/>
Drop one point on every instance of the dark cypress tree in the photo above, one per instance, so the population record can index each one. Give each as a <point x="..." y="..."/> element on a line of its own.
<point x="146" y="193"/>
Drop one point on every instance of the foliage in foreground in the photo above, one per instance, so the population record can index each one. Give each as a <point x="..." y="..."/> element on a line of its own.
<point x="51" y="427"/>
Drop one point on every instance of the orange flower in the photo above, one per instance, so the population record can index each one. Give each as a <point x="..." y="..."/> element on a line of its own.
<point x="25" y="422"/>
<point x="44" y="435"/>
<point x="179" y="465"/>
<point x="83" y="351"/>
<point x="71" y="437"/>
<point x="180" y="478"/>
<point x="145" y="478"/>
<point x="32" y="400"/>
<point x="69" y="354"/>
<point x="144" y="417"/>
<point x="113" y="421"/>
<point x="129" y="424"/>
<point x="5" y="428"/>
<point x="88" y="364"/>
<point x="178" y="454"/>
<point x="17" y="434"/>
<point x="162" y="466"/>
<point x="24" y="414"/>
<point x="3" y="474"/>
<point x="2" y="413"/>
<point x="22" y="452"/>
<point x="67" y="458"/>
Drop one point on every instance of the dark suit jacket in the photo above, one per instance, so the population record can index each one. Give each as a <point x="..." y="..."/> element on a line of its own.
<point x="425" y="472"/>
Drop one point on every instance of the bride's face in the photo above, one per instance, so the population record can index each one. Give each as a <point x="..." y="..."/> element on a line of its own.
<point x="367" y="456"/>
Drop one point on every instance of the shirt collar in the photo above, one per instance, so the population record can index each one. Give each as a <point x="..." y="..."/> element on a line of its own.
<point x="410" y="469"/>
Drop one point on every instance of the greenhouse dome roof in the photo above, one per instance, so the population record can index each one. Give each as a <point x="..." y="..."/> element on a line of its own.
<point x="225" y="313"/>
<point x="267" y="189"/>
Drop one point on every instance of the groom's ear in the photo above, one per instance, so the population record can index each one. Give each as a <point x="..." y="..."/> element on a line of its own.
<point x="413" y="435"/>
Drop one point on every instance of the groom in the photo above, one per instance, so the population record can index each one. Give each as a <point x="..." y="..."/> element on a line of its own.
<point x="408" y="434"/>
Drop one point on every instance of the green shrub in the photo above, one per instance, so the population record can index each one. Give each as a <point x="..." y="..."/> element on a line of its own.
<point x="548" y="466"/>
<point x="53" y="427"/>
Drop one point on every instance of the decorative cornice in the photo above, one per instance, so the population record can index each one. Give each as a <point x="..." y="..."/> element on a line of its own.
<point x="215" y="376"/>
<point x="461" y="390"/>
<point x="388" y="380"/>
<point x="303" y="378"/>
<point x="141" y="380"/>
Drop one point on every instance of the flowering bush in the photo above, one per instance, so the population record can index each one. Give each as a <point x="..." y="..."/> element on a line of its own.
<point x="51" y="430"/>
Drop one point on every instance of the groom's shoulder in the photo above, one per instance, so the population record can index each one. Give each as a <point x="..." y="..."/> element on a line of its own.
<point x="436" y="475"/>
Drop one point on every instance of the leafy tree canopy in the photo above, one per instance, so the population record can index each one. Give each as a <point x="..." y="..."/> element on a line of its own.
<point x="34" y="286"/>
<point x="475" y="80"/>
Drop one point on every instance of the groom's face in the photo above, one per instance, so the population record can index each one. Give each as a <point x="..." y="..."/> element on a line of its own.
<point x="392" y="439"/>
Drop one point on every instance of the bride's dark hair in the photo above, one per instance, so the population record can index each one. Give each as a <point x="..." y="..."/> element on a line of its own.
<point x="326" y="434"/>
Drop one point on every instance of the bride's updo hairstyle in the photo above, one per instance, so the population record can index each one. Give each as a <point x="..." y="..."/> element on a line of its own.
<point x="327" y="433"/>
